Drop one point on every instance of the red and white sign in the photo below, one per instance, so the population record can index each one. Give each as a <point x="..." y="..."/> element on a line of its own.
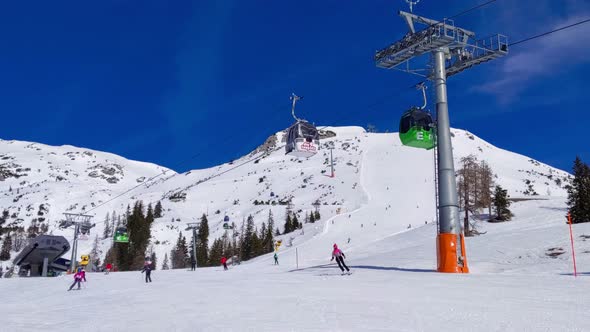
<point x="308" y="146"/>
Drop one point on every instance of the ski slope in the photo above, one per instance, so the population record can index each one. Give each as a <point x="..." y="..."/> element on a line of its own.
<point x="513" y="286"/>
<point x="382" y="185"/>
<point x="384" y="193"/>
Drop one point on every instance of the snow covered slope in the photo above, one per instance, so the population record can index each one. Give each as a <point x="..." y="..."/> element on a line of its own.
<point x="380" y="210"/>
<point x="514" y="286"/>
<point x="383" y="186"/>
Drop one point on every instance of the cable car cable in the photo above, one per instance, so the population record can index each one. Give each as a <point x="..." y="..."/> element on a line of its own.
<point x="198" y="154"/>
<point x="385" y="99"/>
<point x="472" y="9"/>
<point x="549" y="32"/>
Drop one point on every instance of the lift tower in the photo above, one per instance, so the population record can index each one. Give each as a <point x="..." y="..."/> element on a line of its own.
<point x="452" y="50"/>
<point x="81" y="223"/>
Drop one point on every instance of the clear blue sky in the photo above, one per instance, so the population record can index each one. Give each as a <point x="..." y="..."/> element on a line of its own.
<point x="161" y="81"/>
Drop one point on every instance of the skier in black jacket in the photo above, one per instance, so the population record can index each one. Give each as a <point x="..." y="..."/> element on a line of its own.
<point x="148" y="271"/>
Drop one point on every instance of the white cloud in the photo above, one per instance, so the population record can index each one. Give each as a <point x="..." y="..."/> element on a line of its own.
<point x="546" y="56"/>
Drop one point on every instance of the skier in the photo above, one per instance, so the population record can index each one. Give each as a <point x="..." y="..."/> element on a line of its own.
<point x="78" y="277"/>
<point x="83" y="272"/>
<point x="224" y="262"/>
<point x="276" y="259"/>
<point x="339" y="255"/>
<point x="109" y="267"/>
<point x="193" y="263"/>
<point x="147" y="268"/>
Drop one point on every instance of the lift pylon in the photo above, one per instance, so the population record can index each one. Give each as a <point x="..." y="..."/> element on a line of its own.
<point x="452" y="50"/>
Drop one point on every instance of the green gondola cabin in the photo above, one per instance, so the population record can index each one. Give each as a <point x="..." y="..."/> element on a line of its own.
<point x="121" y="235"/>
<point x="416" y="129"/>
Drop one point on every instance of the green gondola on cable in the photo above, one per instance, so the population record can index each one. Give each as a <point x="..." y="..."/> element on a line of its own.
<point x="121" y="235"/>
<point x="416" y="127"/>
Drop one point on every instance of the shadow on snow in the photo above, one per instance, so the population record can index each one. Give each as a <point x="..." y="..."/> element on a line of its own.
<point x="363" y="267"/>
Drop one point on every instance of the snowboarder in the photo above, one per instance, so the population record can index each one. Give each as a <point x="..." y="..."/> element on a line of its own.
<point x="224" y="262"/>
<point x="78" y="277"/>
<point x="339" y="255"/>
<point x="193" y="263"/>
<point x="276" y="259"/>
<point x="147" y="268"/>
<point x="109" y="267"/>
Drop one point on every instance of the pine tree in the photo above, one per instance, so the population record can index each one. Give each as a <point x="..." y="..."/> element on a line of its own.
<point x="268" y="238"/>
<point x="5" y="250"/>
<point x="203" y="242"/>
<point x="317" y="215"/>
<point x="501" y="204"/>
<point x="95" y="253"/>
<point x="579" y="193"/>
<point x="247" y="245"/>
<point x="312" y="217"/>
<point x="262" y="238"/>
<point x="256" y="244"/>
<point x="139" y="236"/>
<point x="149" y="217"/>
<point x="33" y="230"/>
<point x="158" y="210"/>
<point x="107" y="227"/>
<point x="176" y="255"/>
<point x="154" y="260"/>
<point x="44" y="228"/>
<point x="296" y="223"/>
<point x="110" y="257"/>
<point x="3" y="219"/>
<point x="242" y="239"/>
<point x="216" y="252"/>
<point x="165" y="264"/>
<point x="288" y="224"/>
<point x="183" y="253"/>
<point x="173" y="259"/>
<point x="19" y="239"/>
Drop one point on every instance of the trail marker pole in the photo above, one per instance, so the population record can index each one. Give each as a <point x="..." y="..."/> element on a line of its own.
<point x="569" y="218"/>
<point x="297" y="258"/>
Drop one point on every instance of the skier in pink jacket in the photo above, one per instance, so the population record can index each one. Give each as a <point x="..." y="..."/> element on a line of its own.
<point x="339" y="255"/>
<point x="78" y="277"/>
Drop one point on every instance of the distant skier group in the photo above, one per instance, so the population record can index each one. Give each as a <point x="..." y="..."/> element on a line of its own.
<point x="147" y="267"/>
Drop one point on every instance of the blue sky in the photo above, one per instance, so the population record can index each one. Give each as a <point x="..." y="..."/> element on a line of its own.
<point x="162" y="81"/>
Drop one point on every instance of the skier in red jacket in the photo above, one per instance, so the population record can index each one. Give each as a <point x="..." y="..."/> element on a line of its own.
<point x="224" y="262"/>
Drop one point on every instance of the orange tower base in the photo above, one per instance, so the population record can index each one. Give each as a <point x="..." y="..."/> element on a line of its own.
<point x="446" y="254"/>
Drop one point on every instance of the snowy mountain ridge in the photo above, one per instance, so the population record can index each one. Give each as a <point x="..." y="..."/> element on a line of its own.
<point x="373" y="172"/>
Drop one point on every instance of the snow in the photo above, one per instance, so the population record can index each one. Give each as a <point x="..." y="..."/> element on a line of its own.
<point x="384" y="192"/>
<point x="366" y="165"/>
<point x="393" y="288"/>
